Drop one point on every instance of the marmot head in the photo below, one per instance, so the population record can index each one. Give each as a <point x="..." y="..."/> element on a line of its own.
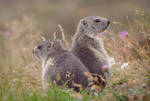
<point x="43" y="49"/>
<point x="92" y="25"/>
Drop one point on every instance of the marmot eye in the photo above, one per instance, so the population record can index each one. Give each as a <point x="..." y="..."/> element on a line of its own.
<point x="97" y="20"/>
<point x="39" y="47"/>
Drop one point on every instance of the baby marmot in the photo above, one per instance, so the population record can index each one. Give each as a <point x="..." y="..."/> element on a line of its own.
<point x="60" y="66"/>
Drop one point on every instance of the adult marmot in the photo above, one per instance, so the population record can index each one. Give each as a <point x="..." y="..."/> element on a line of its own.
<point x="60" y="66"/>
<point x="88" y="46"/>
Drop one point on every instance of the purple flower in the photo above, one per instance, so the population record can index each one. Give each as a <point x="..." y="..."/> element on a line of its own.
<point x="123" y="34"/>
<point x="105" y="66"/>
<point x="8" y="33"/>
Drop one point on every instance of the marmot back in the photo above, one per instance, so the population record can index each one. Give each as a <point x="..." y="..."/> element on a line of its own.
<point x="88" y="46"/>
<point x="60" y="66"/>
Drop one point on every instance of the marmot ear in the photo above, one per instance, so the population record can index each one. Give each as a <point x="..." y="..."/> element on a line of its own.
<point x="84" y="23"/>
<point x="52" y="44"/>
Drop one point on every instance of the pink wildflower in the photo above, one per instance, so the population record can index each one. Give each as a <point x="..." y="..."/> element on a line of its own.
<point x="8" y="33"/>
<point x="123" y="34"/>
<point x="105" y="66"/>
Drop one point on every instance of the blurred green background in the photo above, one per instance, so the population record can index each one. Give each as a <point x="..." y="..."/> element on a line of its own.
<point x="49" y="13"/>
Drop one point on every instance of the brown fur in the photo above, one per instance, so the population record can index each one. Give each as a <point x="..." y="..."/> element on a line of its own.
<point x="89" y="48"/>
<point x="60" y="66"/>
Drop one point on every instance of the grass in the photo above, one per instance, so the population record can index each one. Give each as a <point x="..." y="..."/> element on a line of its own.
<point x="20" y="72"/>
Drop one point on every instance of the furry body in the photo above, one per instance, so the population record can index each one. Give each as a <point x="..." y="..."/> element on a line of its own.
<point x="89" y="48"/>
<point x="61" y="66"/>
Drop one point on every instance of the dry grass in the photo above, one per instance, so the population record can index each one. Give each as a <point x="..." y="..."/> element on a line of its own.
<point x="20" y="70"/>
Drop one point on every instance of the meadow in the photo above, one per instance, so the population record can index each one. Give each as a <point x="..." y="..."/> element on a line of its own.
<point x="128" y="45"/>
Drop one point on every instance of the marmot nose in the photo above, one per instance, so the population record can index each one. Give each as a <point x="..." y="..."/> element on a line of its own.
<point x="108" y="23"/>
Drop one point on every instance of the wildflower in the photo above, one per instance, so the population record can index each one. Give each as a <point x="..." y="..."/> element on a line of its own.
<point x="105" y="66"/>
<point x="8" y="33"/>
<point x="123" y="34"/>
<point x="111" y="61"/>
<point x="124" y="65"/>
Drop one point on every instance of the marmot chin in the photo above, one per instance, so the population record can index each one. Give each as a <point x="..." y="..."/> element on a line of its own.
<point x="60" y="66"/>
<point x="88" y="46"/>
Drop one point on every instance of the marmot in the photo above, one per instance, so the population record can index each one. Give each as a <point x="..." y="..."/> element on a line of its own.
<point x="88" y="46"/>
<point x="60" y="66"/>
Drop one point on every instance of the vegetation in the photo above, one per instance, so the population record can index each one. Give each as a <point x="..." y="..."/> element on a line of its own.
<point x="128" y="41"/>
